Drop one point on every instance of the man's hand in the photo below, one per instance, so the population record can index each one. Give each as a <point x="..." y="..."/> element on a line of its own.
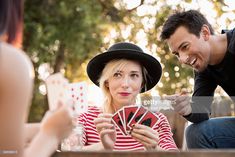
<point x="180" y="103"/>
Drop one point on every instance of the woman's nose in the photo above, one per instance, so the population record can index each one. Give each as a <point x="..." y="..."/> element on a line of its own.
<point x="125" y="82"/>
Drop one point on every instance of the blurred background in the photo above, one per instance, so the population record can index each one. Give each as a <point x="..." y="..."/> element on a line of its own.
<point x="62" y="35"/>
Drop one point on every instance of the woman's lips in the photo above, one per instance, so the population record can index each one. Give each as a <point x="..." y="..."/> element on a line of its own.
<point x="124" y="94"/>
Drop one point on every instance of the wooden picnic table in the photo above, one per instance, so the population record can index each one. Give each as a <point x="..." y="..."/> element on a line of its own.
<point x="192" y="153"/>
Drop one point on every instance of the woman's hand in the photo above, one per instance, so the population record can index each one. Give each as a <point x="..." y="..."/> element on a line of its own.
<point x="106" y="130"/>
<point x="55" y="126"/>
<point x="58" y="122"/>
<point x="146" y="136"/>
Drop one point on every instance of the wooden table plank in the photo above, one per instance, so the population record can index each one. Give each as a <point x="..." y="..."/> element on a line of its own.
<point x="194" y="153"/>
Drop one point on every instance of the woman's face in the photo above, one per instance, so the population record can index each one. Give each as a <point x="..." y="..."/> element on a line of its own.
<point x="125" y="84"/>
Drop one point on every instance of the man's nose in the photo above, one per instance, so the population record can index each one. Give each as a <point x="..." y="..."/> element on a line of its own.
<point x="184" y="58"/>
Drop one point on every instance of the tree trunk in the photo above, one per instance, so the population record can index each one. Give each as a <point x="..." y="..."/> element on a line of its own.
<point x="59" y="62"/>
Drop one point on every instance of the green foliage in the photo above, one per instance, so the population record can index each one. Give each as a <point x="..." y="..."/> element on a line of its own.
<point x="66" y="33"/>
<point x="62" y="33"/>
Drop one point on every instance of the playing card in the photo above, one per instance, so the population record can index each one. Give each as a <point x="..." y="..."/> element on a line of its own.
<point x="56" y="86"/>
<point x="149" y="119"/>
<point x="77" y="94"/>
<point x="117" y="121"/>
<point x="137" y="116"/>
<point x="120" y="114"/>
<point x="128" y="112"/>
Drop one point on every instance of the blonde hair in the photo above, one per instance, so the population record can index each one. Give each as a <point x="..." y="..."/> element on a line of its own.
<point x="108" y="71"/>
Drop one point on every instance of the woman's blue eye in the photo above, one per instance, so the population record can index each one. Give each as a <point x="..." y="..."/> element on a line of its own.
<point x="134" y="75"/>
<point x="116" y="74"/>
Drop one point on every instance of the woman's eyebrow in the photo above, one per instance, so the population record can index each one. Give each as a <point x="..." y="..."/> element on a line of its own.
<point x="135" y="71"/>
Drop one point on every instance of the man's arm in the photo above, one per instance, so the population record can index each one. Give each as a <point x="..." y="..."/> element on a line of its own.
<point x="202" y="97"/>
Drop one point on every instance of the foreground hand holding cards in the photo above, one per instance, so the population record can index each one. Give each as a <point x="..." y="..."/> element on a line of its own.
<point x="56" y="86"/>
<point x="72" y="94"/>
<point x="128" y="116"/>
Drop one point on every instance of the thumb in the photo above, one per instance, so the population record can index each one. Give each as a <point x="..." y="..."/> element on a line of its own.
<point x="59" y="104"/>
<point x="170" y="97"/>
<point x="184" y="91"/>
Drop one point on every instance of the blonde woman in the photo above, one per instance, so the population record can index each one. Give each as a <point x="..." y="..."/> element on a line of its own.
<point x="122" y="73"/>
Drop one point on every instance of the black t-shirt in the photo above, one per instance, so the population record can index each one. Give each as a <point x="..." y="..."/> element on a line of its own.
<point x="222" y="74"/>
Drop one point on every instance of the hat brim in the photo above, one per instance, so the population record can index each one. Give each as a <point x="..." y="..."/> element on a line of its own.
<point x="153" y="67"/>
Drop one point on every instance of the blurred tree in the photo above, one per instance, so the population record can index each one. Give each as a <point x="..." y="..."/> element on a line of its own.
<point x="61" y="35"/>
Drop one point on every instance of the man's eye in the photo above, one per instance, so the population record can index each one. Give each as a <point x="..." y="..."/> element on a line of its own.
<point x="185" y="47"/>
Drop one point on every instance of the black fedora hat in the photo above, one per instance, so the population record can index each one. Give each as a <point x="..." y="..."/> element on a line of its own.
<point x="125" y="50"/>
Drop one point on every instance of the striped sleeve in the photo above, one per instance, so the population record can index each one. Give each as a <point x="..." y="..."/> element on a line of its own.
<point x="90" y="135"/>
<point x="166" y="140"/>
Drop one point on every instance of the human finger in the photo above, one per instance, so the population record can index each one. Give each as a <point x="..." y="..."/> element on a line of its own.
<point x="102" y="126"/>
<point x="102" y="120"/>
<point x="106" y="131"/>
<point x="146" y="141"/>
<point x="185" y="110"/>
<point x="105" y="115"/>
<point x="170" y="97"/>
<point x="143" y="128"/>
<point x="181" y="102"/>
<point x="145" y="131"/>
<point x="183" y="98"/>
<point x="184" y="91"/>
<point x="145" y="134"/>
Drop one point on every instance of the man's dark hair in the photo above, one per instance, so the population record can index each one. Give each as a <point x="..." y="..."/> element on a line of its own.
<point x="191" y="20"/>
<point x="11" y="19"/>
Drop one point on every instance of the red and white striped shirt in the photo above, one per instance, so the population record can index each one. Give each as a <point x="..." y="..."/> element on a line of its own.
<point x="127" y="143"/>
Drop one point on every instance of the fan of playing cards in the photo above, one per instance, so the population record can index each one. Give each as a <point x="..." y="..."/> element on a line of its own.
<point x="72" y="94"/>
<point x="127" y="116"/>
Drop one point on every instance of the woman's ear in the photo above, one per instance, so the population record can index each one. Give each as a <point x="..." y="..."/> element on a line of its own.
<point x="106" y="84"/>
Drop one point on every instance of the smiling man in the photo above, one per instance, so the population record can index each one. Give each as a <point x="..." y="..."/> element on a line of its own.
<point x="191" y="38"/>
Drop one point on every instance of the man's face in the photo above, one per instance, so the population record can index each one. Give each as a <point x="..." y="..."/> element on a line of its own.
<point x="190" y="49"/>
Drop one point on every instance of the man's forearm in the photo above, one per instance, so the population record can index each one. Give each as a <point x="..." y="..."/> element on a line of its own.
<point x="197" y="117"/>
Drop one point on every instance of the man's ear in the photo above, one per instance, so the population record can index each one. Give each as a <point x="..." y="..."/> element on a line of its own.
<point x="205" y="32"/>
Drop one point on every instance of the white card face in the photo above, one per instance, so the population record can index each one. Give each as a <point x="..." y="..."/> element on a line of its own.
<point x="56" y="90"/>
<point x="77" y="94"/>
